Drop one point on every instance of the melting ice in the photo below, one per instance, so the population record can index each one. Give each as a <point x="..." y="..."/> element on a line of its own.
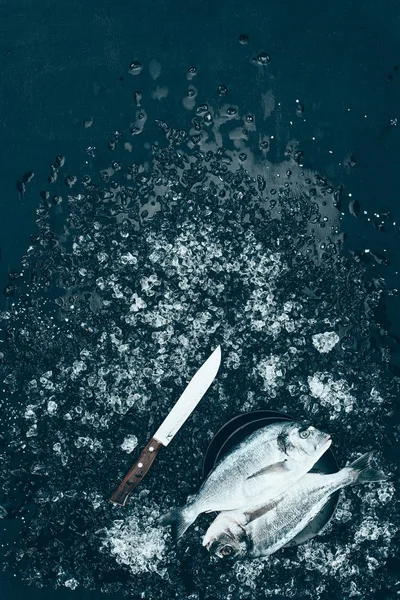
<point x="125" y="290"/>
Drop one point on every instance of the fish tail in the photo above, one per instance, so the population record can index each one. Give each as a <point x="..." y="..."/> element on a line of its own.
<point x="362" y="472"/>
<point x="179" y="519"/>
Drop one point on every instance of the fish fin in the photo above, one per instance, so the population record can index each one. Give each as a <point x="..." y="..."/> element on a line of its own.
<point x="179" y="519"/>
<point x="261" y="509"/>
<point x="278" y="467"/>
<point x="363" y="472"/>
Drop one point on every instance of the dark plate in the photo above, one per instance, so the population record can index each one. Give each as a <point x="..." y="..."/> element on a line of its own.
<point x="238" y="428"/>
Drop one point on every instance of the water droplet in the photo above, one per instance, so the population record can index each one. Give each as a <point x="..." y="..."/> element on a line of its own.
<point x="354" y="208"/>
<point x="60" y="161"/>
<point x="261" y="183"/>
<point x="263" y="58"/>
<point x="195" y="139"/>
<point x="28" y="177"/>
<point x="21" y="187"/>
<point x="243" y="39"/>
<point x="135" y="68"/>
<point x="231" y="111"/>
<point x="222" y="90"/>
<point x="249" y="119"/>
<point x="201" y="109"/>
<point x="192" y="72"/>
<point x="189" y="101"/>
<point x="196" y="124"/>
<point x="352" y="160"/>
<point x="88" y="122"/>
<point x="162" y="125"/>
<point x="378" y="258"/>
<point x="70" y="180"/>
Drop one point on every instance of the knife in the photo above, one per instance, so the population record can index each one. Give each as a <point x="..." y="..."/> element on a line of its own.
<point x="183" y="408"/>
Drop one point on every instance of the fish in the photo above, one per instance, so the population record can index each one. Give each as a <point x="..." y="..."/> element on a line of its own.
<point x="272" y="525"/>
<point x="261" y="466"/>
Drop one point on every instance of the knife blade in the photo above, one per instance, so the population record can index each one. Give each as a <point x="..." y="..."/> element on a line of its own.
<point x="183" y="408"/>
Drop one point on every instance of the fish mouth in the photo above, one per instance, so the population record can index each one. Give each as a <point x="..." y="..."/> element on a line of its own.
<point x="320" y="450"/>
<point x="227" y="538"/>
<point x="325" y="445"/>
<point x="209" y="543"/>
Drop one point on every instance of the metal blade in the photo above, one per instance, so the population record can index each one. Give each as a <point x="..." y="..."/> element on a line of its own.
<point x="190" y="398"/>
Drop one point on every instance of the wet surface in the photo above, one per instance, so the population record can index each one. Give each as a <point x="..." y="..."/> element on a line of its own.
<point x="160" y="197"/>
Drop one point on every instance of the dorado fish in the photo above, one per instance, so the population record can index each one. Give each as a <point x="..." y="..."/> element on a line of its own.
<point x="272" y="525"/>
<point x="267" y="462"/>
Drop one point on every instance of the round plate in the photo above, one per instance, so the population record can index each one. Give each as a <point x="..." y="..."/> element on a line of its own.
<point x="238" y="428"/>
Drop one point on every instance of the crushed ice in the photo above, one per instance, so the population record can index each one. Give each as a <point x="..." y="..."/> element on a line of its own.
<point x="137" y="543"/>
<point x="325" y="342"/>
<point x="333" y="393"/>
<point x="155" y="264"/>
<point x="129" y="443"/>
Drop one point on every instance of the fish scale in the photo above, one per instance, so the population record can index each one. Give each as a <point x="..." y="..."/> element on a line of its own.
<point x="260" y="464"/>
<point x="263" y="530"/>
<point x="296" y="510"/>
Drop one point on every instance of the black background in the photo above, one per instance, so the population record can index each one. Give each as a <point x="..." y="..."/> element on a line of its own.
<point x="66" y="61"/>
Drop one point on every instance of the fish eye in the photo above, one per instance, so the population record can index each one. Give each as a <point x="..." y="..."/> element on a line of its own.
<point x="226" y="551"/>
<point x="304" y="434"/>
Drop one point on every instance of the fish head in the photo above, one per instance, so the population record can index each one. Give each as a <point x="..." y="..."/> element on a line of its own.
<point x="226" y="538"/>
<point x="303" y="443"/>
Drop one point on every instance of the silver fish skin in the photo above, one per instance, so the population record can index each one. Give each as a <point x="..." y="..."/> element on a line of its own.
<point x="272" y="525"/>
<point x="262" y="466"/>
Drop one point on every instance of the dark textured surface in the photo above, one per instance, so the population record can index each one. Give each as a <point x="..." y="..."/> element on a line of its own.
<point x="62" y="63"/>
<point x="67" y="62"/>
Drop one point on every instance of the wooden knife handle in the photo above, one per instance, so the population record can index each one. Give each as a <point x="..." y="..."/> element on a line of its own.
<point x="137" y="472"/>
